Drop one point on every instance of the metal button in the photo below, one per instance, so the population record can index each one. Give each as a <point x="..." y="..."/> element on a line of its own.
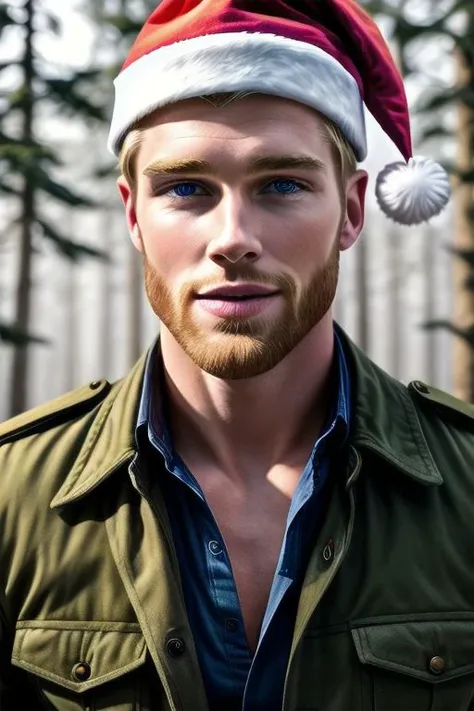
<point x="95" y="384"/>
<point x="81" y="671"/>
<point x="328" y="551"/>
<point x="437" y="665"/>
<point x="215" y="547"/>
<point x="421" y="387"/>
<point x="231" y="625"/>
<point x="175" y="647"/>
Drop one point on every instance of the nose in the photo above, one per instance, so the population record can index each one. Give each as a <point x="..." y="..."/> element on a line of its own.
<point x="236" y="237"/>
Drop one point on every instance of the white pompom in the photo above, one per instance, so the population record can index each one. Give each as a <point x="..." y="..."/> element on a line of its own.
<point x="413" y="192"/>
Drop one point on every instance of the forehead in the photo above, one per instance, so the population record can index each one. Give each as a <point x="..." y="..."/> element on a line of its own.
<point x="251" y="123"/>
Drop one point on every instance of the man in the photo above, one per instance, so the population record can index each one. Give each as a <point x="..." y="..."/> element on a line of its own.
<point x="256" y="517"/>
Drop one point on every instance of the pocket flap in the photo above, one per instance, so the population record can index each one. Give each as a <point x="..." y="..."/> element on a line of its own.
<point x="102" y="651"/>
<point x="434" y="651"/>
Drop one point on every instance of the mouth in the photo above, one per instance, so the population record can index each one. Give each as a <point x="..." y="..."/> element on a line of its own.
<point x="236" y="293"/>
<point x="237" y="301"/>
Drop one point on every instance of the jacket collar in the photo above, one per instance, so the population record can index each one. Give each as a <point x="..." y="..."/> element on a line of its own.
<point x="384" y="421"/>
<point x="109" y="444"/>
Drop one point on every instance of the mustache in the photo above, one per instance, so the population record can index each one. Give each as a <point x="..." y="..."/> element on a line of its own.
<point x="279" y="280"/>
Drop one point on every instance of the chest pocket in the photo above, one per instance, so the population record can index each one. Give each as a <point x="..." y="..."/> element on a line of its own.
<point x="82" y="666"/>
<point x="417" y="666"/>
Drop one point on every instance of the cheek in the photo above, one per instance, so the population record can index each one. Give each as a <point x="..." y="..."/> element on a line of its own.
<point x="170" y="244"/>
<point x="306" y="239"/>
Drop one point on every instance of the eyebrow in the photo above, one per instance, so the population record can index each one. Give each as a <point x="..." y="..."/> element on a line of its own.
<point x="186" y="166"/>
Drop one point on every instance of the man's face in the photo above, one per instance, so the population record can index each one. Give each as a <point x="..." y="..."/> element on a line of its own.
<point x="240" y="217"/>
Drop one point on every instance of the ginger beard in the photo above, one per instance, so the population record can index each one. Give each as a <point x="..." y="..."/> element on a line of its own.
<point x="236" y="349"/>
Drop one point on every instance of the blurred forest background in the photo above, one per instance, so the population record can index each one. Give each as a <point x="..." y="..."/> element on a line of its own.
<point x="72" y="307"/>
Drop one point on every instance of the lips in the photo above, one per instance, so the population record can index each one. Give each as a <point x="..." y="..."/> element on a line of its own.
<point x="237" y="292"/>
<point x="243" y="297"/>
<point x="236" y="307"/>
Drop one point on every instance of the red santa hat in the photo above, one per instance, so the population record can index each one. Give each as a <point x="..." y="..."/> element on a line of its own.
<point x="326" y="54"/>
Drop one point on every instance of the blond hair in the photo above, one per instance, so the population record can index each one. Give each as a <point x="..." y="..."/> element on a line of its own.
<point x="343" y="152"/>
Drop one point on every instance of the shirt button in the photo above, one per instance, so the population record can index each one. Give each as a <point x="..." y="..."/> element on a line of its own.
<point x="328" y="551"/>
<point x="437" y="665"/>
<point x="231" y="625"/>
<point x="81" y="671"/>
<point x="215" y="547"/>
<point x="175" y="647"/>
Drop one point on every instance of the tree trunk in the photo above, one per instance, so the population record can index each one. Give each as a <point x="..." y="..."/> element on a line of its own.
<point x="464" y="239"/>
<point x="19" y="381"/>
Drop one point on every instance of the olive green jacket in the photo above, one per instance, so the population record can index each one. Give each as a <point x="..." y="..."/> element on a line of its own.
<point x="91" y="606"/>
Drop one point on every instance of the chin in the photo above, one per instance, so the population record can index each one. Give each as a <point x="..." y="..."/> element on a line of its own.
<point x="235" y="357"/>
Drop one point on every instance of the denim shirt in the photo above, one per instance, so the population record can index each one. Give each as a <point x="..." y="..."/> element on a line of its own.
<point x="236" y="680"/>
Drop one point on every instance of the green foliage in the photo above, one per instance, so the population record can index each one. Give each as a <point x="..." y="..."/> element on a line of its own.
<point x="466" y="335"/>
<point x="22" y="158"/>
<point x="467" y="255"/>
<point x="53" y="23"/>
<point x="16" y="336"/>
<point x="458" y="94"/>
<point x="69" y="100"/>
<point x="125" y="25"/>
<point x="106" y="171"/>
<point x="436" y="131"/>
<point x="6" y="18"/>
<point x="60" y="192"/>
<point x="27" y="166"/>
<point x="72" y="250"/>
<point x="8" y="189"/>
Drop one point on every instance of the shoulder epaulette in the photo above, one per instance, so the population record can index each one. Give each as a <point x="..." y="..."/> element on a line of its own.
<point x="444" y="403"/>
<point x="54" y="412"/>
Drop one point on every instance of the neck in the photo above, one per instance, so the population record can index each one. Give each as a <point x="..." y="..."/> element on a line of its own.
<point x="244" y="426"/>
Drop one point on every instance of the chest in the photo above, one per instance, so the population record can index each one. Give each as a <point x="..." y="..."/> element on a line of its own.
<point x="253" y="529"/>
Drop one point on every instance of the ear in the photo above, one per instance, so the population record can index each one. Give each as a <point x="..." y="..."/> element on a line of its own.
<point x="128" y="200"/>
<point x="355" y="209"/>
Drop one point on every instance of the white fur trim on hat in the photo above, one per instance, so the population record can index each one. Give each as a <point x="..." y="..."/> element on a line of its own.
<point x="235" y="62"/>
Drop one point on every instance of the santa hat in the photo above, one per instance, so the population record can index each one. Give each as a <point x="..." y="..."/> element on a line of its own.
<point x="326" y="54"/>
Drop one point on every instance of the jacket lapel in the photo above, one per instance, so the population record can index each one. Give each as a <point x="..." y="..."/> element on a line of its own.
<point x="109" y="444"/>
<point x="385" y="420"/>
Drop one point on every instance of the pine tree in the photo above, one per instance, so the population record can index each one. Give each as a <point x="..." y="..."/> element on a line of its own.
<point x="27" y="174"/>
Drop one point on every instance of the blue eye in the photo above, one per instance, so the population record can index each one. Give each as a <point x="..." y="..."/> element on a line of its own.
<point x="285" y="186"/>
<point x="184" y="190"/>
